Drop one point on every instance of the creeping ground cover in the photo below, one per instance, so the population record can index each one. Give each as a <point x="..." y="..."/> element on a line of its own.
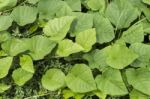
<point x="74" y="49"/>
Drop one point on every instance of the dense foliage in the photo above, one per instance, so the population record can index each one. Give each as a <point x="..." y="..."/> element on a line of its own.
<point x="81" y="49"/>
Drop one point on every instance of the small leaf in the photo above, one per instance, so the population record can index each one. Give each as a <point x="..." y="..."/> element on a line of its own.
<point x="5" y="22"/>
<point x="139" y="79"/>
<point x="67" y="47"/>
<point x="146" y="1"/>
<point x="86" y="39"/>
<point x="135" y="34"/>
<point x="24" y="15"/>
<point x="53" y="80"/>
<point x="74" y="4"/>
<point x="21" y="76"/>
<point x="4" y="87"/>
<point x="119" y="56"/>
<point x="96" y="5"/>
<point x="26" y="63"/>
<point x="33" y="1"/>
<point x="134" y="94"/>
<point x="6" y="4"/>
<point x="58" y="27"/>
<point x="80" y="79"/>
<point x="5" y="64"/>
<point x="4" y="36"/>
<point x="111" y="83"/>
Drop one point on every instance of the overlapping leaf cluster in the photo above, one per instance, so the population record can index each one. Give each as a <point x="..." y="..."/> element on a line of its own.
<point x="108" y="36"/>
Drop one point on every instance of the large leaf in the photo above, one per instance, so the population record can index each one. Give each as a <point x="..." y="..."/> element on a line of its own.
<point x="96" y="5"/>
<point x="48" y="8"/>
<point x="4" y="36"/>
<point x="135" y="34"/>
<point x="110" y="82"/>
<point x="5" y="64"/>
<point x="14" y="46"/>
<point x="4" y="87"/>
<point x="5" y="22"/>
<point x="53" y="80"/>
<point x="21" y="76"/>
<point x="134" y="94"/>
<point x="104" y="29"/>
<point x="74" y="4"/>
<point x="119" y="56"/>
<point x="26" y="63"/>
<point x="80" y="79"/>
<point x="139" y="79"/>
<point x="24" y="15"/>
<point x="6" y="4"/>
<point x="58" y="27"/>
<point x="83" y="22"/>
<point x="86" y="39"/>
<point x="40" y="46"/>
<point x="67" y="47"/>
<point x="121" y="13"/>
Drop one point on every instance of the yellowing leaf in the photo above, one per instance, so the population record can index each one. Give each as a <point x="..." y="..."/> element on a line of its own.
<point x="86" y="39"/>
<point x="5" y="64"/>
<point x="67" y="47"/>
<point x="26" y="63"/>
<point x="53" y="80"/>
<point x="21" y="76"/>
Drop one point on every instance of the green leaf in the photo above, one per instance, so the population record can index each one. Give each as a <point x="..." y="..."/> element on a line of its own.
<point x="146" y="27"/>
<point x="74" y="4"/>
<point x="26" y="63"/>
<point x="134" y="94"/>
<point x="111" y="83"/>
<point x="146" y="1"/>
<point x="4" y="36"/>
<point x="14" y="46"/>
<point x="119" y="56"/>
<point x="64" y="11"/>
<point x="83" y="22"/>
<point x="24" y="15"/>
<point x="104" y="29"/>
<point x="97" y="58"/>
<point x="40" y="46"/>
<point x="142" y="50"/>
<point x="58" y="27"/>
<point x="100" y="94"/>
<point x="135" y="34"/>
<point x="86" y="39"/>
<point x="121" y="13"/>
<point x="53" y="79"/>
<point x="80" y="79"/>
<point x="139" y="79"/>
<point x="5" y="64"/>
<point x="4" y="87"/>
<point x="6" y="4"/>
<point x="96" y="5"/>
<point x="21" y="76"/>
<point x="2" y="53"/>
<point x="33" y="1"/>
<point x="5" y="22"/>
<point x="67" y="47"/>
<point x="48" y="8"/>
